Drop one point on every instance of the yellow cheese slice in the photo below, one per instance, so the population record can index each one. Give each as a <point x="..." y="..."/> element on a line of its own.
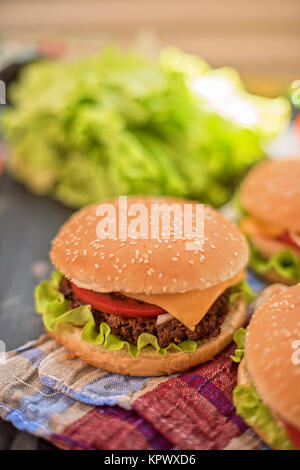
<point x="190" y="307"/>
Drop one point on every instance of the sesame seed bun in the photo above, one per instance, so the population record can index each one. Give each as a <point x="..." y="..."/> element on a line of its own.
<point x="243" y="377"/>
<point x="149" y="362"/>
<point x="148" y="266"/>
<point x="271" y="193"/>
<point x="273" y="336"/>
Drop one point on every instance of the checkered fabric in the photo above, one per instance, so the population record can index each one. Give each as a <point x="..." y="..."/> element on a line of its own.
<point x="76" y="406"/>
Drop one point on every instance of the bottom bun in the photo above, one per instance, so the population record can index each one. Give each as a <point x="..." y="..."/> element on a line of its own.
<point x="273" y="276"/>
<point x="149" y="362"/>
<point x="243" y="378"/>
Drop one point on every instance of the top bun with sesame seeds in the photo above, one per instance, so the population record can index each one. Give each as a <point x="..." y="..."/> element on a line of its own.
<point x="150" y="266"/>
<point x="272" y="361"/>
<point x="271" y="193"/>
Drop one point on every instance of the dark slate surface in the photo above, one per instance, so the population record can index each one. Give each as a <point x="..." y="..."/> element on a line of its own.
<point x="27" y="225"/>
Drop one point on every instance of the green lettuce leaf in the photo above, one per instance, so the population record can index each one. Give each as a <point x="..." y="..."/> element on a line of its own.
<point x="255" y="413"/>
<point x="284" y="262"/>
<point x="239" y="338"/>
<point x="54" y="307"/>
<point x="121" y="123"/>
<point x="242" y="289"/>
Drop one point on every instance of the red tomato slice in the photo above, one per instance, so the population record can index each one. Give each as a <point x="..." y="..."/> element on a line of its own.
<point x="116" y="304"/>
<point x="286" y="238"/>
<point x="293" y="433"/>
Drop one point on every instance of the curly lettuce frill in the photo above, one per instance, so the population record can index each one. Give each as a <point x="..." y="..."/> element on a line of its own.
<point x="54" y="307"/>
<point x="255" y="413"/>
<point x="239" y="338"/>
<point x="284" y="262"/>
<point x="51" y="303"/>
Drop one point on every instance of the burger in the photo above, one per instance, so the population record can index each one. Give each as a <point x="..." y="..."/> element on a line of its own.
<point x="145" y="305"/>
<point x="268" y="391"/>
<point x="270" y="200"/>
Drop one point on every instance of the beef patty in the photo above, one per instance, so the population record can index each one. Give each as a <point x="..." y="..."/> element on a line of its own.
<point x="129" y="329"/>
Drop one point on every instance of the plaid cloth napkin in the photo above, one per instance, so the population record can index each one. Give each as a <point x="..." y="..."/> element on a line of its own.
<point x="76" y="406"/>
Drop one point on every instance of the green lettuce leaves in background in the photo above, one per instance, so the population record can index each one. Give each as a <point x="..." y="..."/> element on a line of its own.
<point x="51" y="303"/>
<point x="121" y="123"/>
<point x="250" y="406"/>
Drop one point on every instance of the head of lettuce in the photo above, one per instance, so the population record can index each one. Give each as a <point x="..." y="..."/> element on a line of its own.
<point x="120" y="123"/>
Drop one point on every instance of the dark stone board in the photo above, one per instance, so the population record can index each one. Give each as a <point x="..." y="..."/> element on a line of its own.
<point x="27" y="225"/>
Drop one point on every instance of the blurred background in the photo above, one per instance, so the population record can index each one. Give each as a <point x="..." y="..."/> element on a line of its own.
<point x="261" y="39"/>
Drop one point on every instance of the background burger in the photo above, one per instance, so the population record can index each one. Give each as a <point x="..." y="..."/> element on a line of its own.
<point x="270" y="195"/>
<point x="145" y="306"/>
<point x="268" y="391"/>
